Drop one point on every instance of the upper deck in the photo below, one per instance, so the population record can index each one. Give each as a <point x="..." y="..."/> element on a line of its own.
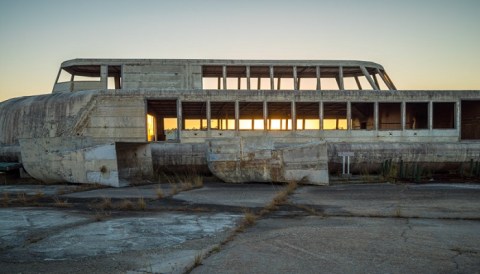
<point x="195" y="74"/>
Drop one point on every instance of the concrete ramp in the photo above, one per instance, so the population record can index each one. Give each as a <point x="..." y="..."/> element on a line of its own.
<point x="261" y="159"/>
<point x="83" y="160"/>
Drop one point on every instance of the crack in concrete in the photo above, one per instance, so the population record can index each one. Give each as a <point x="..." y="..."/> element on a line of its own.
<point x="409" y="227"/>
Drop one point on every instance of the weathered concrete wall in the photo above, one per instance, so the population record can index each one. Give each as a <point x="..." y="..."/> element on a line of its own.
<point x="240" y="160"/>
<point x="180" y="158"/>
<point x="120" y="118"/>
<point x="85" y="160"/>
<point x="40" y="116"/>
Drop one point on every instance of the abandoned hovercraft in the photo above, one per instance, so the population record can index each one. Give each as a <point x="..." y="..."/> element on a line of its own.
<point x="111" y="121"/>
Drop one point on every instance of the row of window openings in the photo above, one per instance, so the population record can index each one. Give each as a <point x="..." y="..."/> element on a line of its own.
<point x="114" y="79"/>
<point x="307" y="116"/>
<point x="359" y="82"/>
<point x="349" y="83"/>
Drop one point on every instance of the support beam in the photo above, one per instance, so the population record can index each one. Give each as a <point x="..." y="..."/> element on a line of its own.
<point x="349" y="115"/>
<point x="237" y="115"/>
<point x="359" y="85"/>
<point x="179" y="118"/>
<point x="369" y="78"/>
<point x="319" y="85"/>
<point x="224" y="76"/>
<point x="265" y="115"/>
<point x="271" y="78"/>
<point x="375" y="115"/>
<point x="340" y="78"/>
<point x="376" y="81"/>
<point x="278" y="83"/>
<point x="321" y="114"/>
<point x="389" y="80"/>
<point x="403" y="115"/>
<point x="385" y="80"/>
<point x="430" y="115"/>
<point x="104" y="76"/>
<point x="295" y="79"/>
<point x="208" y="116"/>
<point x="248" y="77"/>
<point x="239" y="85"/>
<point x="293" y="116"/>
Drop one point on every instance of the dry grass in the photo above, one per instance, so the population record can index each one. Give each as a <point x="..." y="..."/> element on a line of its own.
<point x="5" y="199"/>
<point x="280" y="198"/>
<point x="159" y="192"/>
<point x="125" y="205"/>
<point x="61" y="203"/>
<point x="22" y="198"/>
<point x="198" y="260"/>
<point x="106" y="203"/>
<point x="141" y="204"/>
<point x="101" y="215"/>
<point x="174" y="190"/>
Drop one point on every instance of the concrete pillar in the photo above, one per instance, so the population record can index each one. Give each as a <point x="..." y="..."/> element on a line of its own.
<point x="272" y="83"/>
<point x="369" y="78"/>
<point x="375" y="115"/>
<point x="403" y="115"/>
<point x="321" y="114"/>
<point x="430" y="115"/>
<point x="385" y="80"/>
<point x="104" y="76"/>
<point x="359" y="85"/>
<point x="265" y="115"/>
<point x="208" y="115"/>
<point x="319" y="85"/>
<point x="248" y="77"/>
<point x="349" y="115"/>
<point x="237" y="115"/>
<point x="458" y="117"/>
<point x="340" y="78"/>
<point x="376" y="81"/>
<point x="293" y="116"/>
<point x="224" y="76"/>
<point x="179" y="118"/>
<point x="295" y="79"/>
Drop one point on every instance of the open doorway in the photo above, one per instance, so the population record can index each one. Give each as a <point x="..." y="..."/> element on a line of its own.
<point x="162" y="124"/>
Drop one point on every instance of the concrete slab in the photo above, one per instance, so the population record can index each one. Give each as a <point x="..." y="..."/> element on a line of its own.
<point x="145" y="191"/>
<point x="48" y="190"/>
<point x="240" y="195"/>
<point x="351" y="245"/>
<point x="407" y="200"/>
<point x="114" y="236"/>
<point x="18" y="225"/>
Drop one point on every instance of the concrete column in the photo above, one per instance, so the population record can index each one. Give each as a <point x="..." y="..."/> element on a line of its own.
<point x="272" y="84"/>
<point x="369" y="78"/>
<point x="321" y="115"/>
<point x="385" y="80"/>
<point x="340" y="78"/>
<point x="293" y="116"/>
<point x="458" y="117"/>
<point x="403" y="115"/>
<point x="430" y="115"/>
<point x="319" y="85"/>
<point x="349" y="115"/>
<point x="359" y="85"/>
<point x="265" y="115"/>
<point x="376" y="81"/>
<point x="224" y="76"/>
<point x="295" y="79"/>
<point x="375" y="115"/>
<point x="248" y="77"/>
<point x="208" y="115"/>
<point x="104" y="76"/>
<point x="237" y="115"/>
<point x="179" y="118"/>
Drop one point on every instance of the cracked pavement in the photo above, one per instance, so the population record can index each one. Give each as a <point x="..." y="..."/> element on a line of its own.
<point x="360" y="228"/>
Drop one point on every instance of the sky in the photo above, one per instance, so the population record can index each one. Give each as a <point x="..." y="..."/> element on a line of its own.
<point x="422" y="44"/>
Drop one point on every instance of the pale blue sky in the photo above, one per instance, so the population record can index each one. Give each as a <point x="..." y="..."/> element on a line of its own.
<point x="423" y="44"/>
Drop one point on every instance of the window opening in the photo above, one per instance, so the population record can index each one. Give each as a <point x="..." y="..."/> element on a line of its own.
<point x="363" y="116"/>
<point x="162" y="120"/>
<point x="335" y="116"/>
<point x="389" y="116"/>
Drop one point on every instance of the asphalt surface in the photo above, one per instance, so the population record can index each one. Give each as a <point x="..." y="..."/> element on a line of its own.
<point x="361" y="228"/>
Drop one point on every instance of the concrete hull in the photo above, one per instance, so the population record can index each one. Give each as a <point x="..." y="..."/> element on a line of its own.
<point x="241" y="160"/>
